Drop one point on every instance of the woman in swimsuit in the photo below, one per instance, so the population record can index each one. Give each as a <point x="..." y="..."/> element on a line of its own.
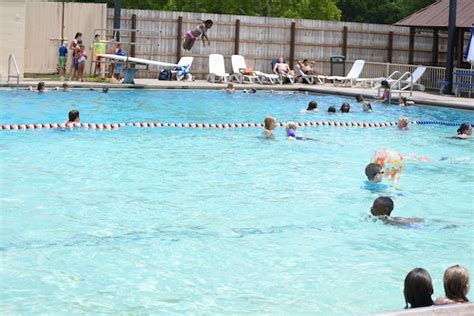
<point x="200" y="30"/>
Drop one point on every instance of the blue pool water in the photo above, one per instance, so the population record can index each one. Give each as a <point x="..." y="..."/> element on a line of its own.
<point x="170" y="220"/>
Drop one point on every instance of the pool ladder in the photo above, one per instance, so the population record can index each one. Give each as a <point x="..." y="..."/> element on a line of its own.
<point x="17" y="76"/>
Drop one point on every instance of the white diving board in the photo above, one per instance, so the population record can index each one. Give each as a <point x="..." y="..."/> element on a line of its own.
<point x="137" y="60"/>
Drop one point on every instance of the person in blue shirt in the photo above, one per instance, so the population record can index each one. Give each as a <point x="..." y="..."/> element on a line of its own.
<point x="62" y="60"/>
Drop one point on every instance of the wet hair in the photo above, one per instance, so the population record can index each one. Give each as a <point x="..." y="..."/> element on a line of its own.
<point x="252" y="90"/>
<point x="359" y="98"/>
<point x="65" y="86"/>
<point x="463" y="128"/>
<point x="418" y="288"/>
<point x="40" y="86"/>
<point x="291" y="125"/>
<point x="73" y="115"/>
<point x="372" y="169"/>
<point x="331" y="109"/>
<point x="312" y="106"/>
<point x="383" y="205"/>
<point x="385" y="84"/>
<point x="345" y="107"/>
<point x="78" y="34"/>
<point x="230" y="86"/>
<point x="367" y="106"/>
<point x="403" y="120"/>
<point x="456" y="282"/>
<point x="269" y="122"/>
<point x="105" y="89"/>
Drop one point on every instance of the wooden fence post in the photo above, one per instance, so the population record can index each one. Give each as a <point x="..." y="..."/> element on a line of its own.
<point x="434" y="56"/>
<point x="134" y="35"/>
<point x="292" y="44"/>
<point x="344" y="41"/>
<point x="237" y="37"/>
<point x="178" y="38"/>
<point x="411" y="46"/>
<point x="460" y="46"/>
<point x="390" y="46"/>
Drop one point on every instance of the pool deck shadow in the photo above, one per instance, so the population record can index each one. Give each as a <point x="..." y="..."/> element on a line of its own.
<point x="442" y="310"/>
<point x="420" y="97"/>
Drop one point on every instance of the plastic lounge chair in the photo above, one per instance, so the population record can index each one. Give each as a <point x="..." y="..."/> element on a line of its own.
<point x="374" y="83"/>
<point x="412" y="79"/>
<point x="268" y="78"/>
<point x="217" y="68"/>
<point x="183" y="67"/>
<point x="282" y="76"/>
<point x="351" y="77"/>
<point x="310" y="79"/>
<point x="238" y="64"/>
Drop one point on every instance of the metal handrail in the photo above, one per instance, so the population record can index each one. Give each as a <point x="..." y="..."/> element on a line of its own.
<point x="10" y="58"/>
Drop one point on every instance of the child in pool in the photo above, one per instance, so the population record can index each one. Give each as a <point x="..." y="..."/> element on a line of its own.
<point x="366" y="106"/>
<point x="402" y="123"/>
<point x="456" y="286"/>
<point x="386" y="93"/>
<point x="40" y="88"/>
<point x="418" y="289"/>
<point x="359" y="98"/>
<point x="345" y="108"/>
<point x="291" y="131"/>
<point x="269" y="124"/>
<point x="74" y="117"/>
<point x="404" y="101"/>
<point x="331" y="109"/>
<point x="383" y="207"/>
<point x="200" y="30"/>
<point x="464" y="131"/>
<point x="312" y="107"/>
<point x="230" y="88"/>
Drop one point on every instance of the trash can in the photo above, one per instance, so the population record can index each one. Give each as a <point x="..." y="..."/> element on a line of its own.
<point x="338" y="65"/>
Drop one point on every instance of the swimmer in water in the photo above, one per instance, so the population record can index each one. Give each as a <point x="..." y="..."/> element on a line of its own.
<point x="269" y="124"/>
<point x="74" y="117"/>
<point x="464" y="131"/>
<point x="331" y="109"/>
<point x="40" y="88"/>
<point x="230" y="88"/>
<point x="366" y="106"/>
<point x="403" y="123"/>
<point x="345" y="108"/>
<point x="374" y="172"/>
<point x="383" y="207"/>
<point x="359" y="98"/>
<point x="291" y="131"/>
<point x="312" y="107"/>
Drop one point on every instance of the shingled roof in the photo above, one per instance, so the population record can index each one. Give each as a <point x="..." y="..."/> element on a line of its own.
<point x="437" y="15"/>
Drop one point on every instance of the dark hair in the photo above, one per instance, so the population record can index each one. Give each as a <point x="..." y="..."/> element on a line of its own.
<point x="40" y="86"/>
<point x="252" y="90"/>
<point x="372" y="169"/>
<point x="105" y="89"/>
<point x="305" y="60"/>
<point x="463" y="128"/>
<point x="97" y="35"/>
<point x="345" y="107"/>
<point x="65" y="85"/>
<point x="208" y="23"/>
<point x="385" y="84"/>
<point x="79" y="42"/>
<point x="383" y="205"/>
<point x="359" y="98"/>
<point x="312" y="105"/>
<point x="418" y="288"/>
<point x="73" y="115"/>
<point x="331" y="109"/>
<point x="77" y="35"/>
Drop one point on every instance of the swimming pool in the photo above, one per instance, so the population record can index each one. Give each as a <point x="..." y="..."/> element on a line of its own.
<point x="173" y="220"/>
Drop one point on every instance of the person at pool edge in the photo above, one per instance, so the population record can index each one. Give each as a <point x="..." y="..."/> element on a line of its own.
<point x="74" y="117"/>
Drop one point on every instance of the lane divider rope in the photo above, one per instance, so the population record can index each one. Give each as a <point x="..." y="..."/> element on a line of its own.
<point x="111" y="126"/>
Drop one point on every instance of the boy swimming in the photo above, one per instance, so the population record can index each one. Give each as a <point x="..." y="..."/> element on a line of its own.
<point x="383" y="207"/>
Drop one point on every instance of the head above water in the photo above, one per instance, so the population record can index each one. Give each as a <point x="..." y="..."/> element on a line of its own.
<point x="382" y="205"/>
<point x="269" y="122"/>
<point x="418" y="288"/>
<point x="374" y="172"/>
<point x="359" y="98"/>
<point x="331" y="109"/>
<point x="230" y="86"/>
<point x="290" y="125"/>
<point x="313" y="105"/>
<point x="345" y="108"/>
<point x="403" y="122"/>
<point x="40" y="86"/>
<point x="366" y="106"/>
<point x="105" y="89"/>
<point x="74" y="116"/>
<point x="456" y="283"/>
<point x="65" y="86"/>
<point x="465" y="129"/>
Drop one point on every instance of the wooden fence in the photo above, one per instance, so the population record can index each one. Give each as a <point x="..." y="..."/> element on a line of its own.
<point x="261" y="39"/>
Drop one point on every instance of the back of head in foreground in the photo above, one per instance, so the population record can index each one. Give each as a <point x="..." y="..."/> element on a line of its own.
<point x="418" y="289"/>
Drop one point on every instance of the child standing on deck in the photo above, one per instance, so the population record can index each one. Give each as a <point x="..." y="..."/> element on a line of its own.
<point x="62" y="60"/>
<point x="73" y="47"/>
<point x="200" y="30"/>
<point x="81" y="61"/>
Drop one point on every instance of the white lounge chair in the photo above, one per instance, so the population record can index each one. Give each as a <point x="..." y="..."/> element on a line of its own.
<point x="411" y="80"/>
<point x="238" y="65"/>
<point x="282" y="77"/>
<point x="268" y="78"/>
<point x="310" y="79"/>
<point x="184" y="64"/>
<point x="217" y="68"/>
<point x="351" y="77"/>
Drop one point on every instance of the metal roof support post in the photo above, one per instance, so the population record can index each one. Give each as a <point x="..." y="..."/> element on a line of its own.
<point x="451" y="40"/>
<point x="117" y="13"/>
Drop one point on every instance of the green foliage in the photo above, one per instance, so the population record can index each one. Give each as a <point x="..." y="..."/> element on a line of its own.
<point x="379" y="11"/>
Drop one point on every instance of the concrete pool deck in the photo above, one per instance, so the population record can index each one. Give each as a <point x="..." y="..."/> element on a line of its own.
<point x="420" y="97"/>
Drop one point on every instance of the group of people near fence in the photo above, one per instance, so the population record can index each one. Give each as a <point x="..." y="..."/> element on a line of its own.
<point x="78" y="56"/>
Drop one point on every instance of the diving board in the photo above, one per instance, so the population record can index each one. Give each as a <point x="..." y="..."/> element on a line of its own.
<point x="135" y="60"/>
